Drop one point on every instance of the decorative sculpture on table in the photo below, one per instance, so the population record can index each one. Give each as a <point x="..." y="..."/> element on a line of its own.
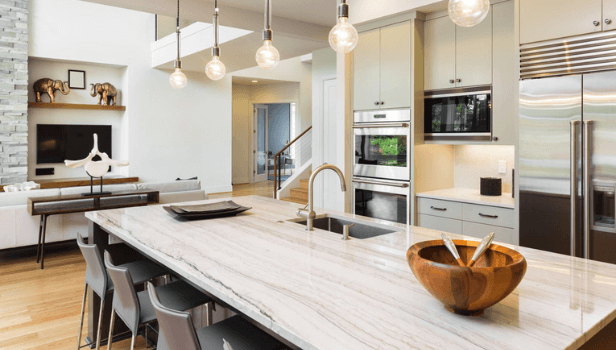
<point x="49" y="87"/>
<point x="95" y="168"/>
<point x="107" y="93"/>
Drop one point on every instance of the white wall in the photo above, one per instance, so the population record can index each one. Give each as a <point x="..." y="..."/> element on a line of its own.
<point x="40" y="68"/>
<point x="170" y="133"/>
<point x="475" y="162"/>
<point x="362" y="11"/>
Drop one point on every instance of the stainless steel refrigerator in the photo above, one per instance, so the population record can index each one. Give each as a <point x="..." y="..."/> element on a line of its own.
<point x="567" y="147"/>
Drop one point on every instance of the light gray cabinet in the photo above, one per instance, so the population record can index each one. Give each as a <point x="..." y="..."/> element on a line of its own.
<point x="382" y="68"/>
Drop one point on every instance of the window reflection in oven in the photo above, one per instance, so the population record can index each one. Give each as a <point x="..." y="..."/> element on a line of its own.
<point x="384" y="206"/>
<point x="383" y="150"/>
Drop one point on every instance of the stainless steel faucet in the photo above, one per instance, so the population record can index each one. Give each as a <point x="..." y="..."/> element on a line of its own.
<point x="309" y="214"/>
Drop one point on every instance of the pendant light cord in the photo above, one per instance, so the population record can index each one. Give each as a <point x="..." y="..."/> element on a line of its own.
<point x="177" y="30"/>
<point x="268" y="14"/>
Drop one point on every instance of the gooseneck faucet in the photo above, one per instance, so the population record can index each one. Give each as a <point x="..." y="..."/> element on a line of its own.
<point x="310" y="214"/>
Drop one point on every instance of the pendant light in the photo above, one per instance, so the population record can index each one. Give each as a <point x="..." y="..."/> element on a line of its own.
<point x="468" y="13"/>
<point x="178" y="79"/>
<point x="267" y="55"/>
<point x="343" y="37"/>
<point x="215" y="69"/>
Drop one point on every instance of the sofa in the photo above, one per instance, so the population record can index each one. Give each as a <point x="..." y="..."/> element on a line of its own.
<point x="18" y="228"/>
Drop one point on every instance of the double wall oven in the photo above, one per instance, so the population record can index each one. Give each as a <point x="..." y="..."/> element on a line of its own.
<point x="382" y="164"/>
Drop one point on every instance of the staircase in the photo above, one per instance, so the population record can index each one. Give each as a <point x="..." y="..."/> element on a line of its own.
<point x="299" y="195"/>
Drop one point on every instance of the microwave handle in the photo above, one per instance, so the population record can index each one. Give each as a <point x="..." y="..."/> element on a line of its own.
<point x="380" y="125"/>
<point x="383" y="183"/>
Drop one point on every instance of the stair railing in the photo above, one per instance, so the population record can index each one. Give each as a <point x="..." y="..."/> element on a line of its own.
<point x="278" y="165"/>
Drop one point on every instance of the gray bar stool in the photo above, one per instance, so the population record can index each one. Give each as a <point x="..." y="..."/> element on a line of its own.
<point x="135" y="309"/>
<point x="178" y="333"/>
<point x="100" y="283"/>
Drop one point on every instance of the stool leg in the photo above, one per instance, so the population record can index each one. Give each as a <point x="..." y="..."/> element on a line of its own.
<point x="132" y="343"/>
<point x="83" y="311"/>
<point x="147" y="343"/>
<point x="110" y="337"/>
<point x="208" y="319"/>
<point x="38" y="247"/>
<point x="100" y="320"/>
<point x="44" y="218"/>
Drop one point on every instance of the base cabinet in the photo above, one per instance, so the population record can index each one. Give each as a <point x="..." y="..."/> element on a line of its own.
<point x="501" y="234"/>
<point x="440" y="223"/>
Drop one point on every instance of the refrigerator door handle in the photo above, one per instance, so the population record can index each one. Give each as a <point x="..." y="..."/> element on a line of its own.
<point x="573" y="181"/>
<point x="586" y="177"/>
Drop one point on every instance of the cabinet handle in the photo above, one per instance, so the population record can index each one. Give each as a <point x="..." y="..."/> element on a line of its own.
<point x="382" y="103"/>
<point x="494" y="138"/>
<point x="459" y="80"/>
<point x="440" y="209"/>
<point x="376" y="103"/>
<point x="451" y="81"/>
<point x="488" y="216"/>
<point x="596" y="23"/>
<point x="608" y="21"/>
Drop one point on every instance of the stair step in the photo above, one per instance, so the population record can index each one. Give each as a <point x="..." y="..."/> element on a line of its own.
<point x="303" y="184"/>
<point x="294" y="200"/>
<point x="299" y="193"/>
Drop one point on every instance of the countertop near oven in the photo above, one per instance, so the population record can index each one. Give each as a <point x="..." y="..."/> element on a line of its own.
<point x="320" y="292"/>
<point x="466" y="195"/>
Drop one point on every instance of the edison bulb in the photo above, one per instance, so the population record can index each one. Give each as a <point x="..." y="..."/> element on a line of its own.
<point x="215" y="69"/>
<point x="468" y="13"/>
<point x="343" y="37"/>
<point x="267" y="55"/>
<point x="178" y="80"/>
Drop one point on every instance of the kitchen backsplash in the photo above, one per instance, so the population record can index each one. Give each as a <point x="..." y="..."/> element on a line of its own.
<point x="474" y="162"/>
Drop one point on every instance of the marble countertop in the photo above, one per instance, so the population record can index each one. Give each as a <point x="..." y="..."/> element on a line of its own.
<point x="320" y="292"/>
<point x="467" y="195"/>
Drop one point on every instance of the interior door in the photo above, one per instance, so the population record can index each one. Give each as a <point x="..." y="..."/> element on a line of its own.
<point x="260" y="157"/>
<point x="395" y="81"/>
<point x="366" y="70"/>
<point x="439" y="54"/>
<point x="600" y="114"/>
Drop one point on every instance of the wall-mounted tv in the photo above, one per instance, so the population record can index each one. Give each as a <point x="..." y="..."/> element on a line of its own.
<point x="56" y="143"/>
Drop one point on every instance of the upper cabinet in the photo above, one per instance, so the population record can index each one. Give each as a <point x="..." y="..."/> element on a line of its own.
<point x="455" y="56"/>
<point x="553" y="19"/>
<point x="382" y="68"/>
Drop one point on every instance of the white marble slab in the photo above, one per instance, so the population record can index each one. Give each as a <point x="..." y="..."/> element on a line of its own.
<point x="466" y="195"/>
<point x="321" y="292"/>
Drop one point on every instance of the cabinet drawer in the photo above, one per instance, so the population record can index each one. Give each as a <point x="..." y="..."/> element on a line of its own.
<point x="489" y="215"/>
<point x="440" y="224"/>
<point x="501" y="234"/>
<point x="436" y="207"/>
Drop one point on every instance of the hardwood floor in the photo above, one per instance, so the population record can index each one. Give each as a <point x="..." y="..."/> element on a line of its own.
<point x="39" y="309"/>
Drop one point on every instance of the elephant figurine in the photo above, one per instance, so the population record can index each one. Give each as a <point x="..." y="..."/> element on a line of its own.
<point x="107" y="93"/>
<point x="49" y="87"/>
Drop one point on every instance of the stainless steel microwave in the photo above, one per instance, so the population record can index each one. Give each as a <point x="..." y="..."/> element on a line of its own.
<point x="458" y="114"/>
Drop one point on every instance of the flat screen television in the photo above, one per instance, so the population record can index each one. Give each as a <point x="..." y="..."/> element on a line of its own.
<point x="56" y="143"/>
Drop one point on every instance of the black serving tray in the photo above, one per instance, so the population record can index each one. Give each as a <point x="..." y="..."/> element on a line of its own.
<point x="205" y="215"/>
<point x="206" y="208"/>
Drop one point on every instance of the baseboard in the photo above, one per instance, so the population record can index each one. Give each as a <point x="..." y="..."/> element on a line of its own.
<point x="241" y="180"/>
<point x="217" y="189"/>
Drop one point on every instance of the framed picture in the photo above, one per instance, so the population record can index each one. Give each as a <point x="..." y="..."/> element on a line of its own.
<point x="76" y="79"/>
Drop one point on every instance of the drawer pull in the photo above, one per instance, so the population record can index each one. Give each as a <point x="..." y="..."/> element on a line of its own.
<point x="439" y="209"/>
<point x="489" y="216"/>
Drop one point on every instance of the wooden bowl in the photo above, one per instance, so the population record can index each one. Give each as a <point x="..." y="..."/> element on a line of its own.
<point x="466" y="290"/>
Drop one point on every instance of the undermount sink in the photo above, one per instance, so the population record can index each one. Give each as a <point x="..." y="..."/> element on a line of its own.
<point x="359" y="230"/>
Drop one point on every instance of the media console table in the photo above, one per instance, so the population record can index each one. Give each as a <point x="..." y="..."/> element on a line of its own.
<point x="67" y="204"/>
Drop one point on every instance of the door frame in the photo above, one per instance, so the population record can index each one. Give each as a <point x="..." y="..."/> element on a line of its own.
<point x="257" y="177"/>
<point x="318" y="137"/>
<point x="253" y="141"/>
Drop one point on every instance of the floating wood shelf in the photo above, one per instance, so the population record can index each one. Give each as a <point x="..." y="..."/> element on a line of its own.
<point x="73" y="106"/>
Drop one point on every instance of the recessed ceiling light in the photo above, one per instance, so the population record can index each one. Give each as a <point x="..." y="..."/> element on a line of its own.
<point x="255" y="81"/>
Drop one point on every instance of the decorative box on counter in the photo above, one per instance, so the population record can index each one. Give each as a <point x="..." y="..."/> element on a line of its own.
<point x="491" y="186"/>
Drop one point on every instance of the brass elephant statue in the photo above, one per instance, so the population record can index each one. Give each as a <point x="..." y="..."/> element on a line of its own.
<point x="107" y="93"/>
<point x="49" y="87"/>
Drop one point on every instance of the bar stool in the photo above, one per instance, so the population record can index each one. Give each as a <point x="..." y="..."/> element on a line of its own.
<point x="135" y="309"/>
<point x="178" y="333"/>
<point x="100" y="283"/>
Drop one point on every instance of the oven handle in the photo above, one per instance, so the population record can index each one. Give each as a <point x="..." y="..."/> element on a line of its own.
<point x="380" y="125"/>
<point x="384" y="183"/>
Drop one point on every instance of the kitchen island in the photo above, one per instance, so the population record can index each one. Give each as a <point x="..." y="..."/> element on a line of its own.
<point x="319" y="292"/>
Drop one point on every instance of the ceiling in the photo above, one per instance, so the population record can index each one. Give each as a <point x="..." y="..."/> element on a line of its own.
<point x="250" y="81"/>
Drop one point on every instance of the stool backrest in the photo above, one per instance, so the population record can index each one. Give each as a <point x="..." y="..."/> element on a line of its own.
<point x="176" y="327"/>
<point x="96" y="276"/>
<point x="125" y="300"/>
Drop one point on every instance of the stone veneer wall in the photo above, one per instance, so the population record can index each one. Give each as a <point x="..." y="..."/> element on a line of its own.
<point x="13" y="91"/>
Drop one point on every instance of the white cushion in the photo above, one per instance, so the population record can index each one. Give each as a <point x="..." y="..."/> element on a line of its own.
<point x="106" y="188"/>
<point x="179" y="197"/>
<point x="7" y="227"/>
<point x="27" y="227"/>
<point x="21" y="198"/>
<point x="175" y="186"/>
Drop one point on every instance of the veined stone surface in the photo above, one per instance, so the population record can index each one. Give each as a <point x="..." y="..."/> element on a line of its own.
<point x="320" y="292"/>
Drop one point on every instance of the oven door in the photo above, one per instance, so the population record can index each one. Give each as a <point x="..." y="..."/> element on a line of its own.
<point x="385" y="200"/>
<point x="382" y="150"/>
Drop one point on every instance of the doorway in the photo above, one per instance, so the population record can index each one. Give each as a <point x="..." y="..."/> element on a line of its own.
<point x="274" y="124"/>
<point x="260" y="149"/>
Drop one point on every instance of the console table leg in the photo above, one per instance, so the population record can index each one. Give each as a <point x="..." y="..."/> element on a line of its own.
<point x="44" y="229"/>
<point x="38" y="247"/>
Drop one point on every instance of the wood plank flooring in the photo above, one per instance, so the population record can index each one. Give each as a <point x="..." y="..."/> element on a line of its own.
<point x="40" y="309"/>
